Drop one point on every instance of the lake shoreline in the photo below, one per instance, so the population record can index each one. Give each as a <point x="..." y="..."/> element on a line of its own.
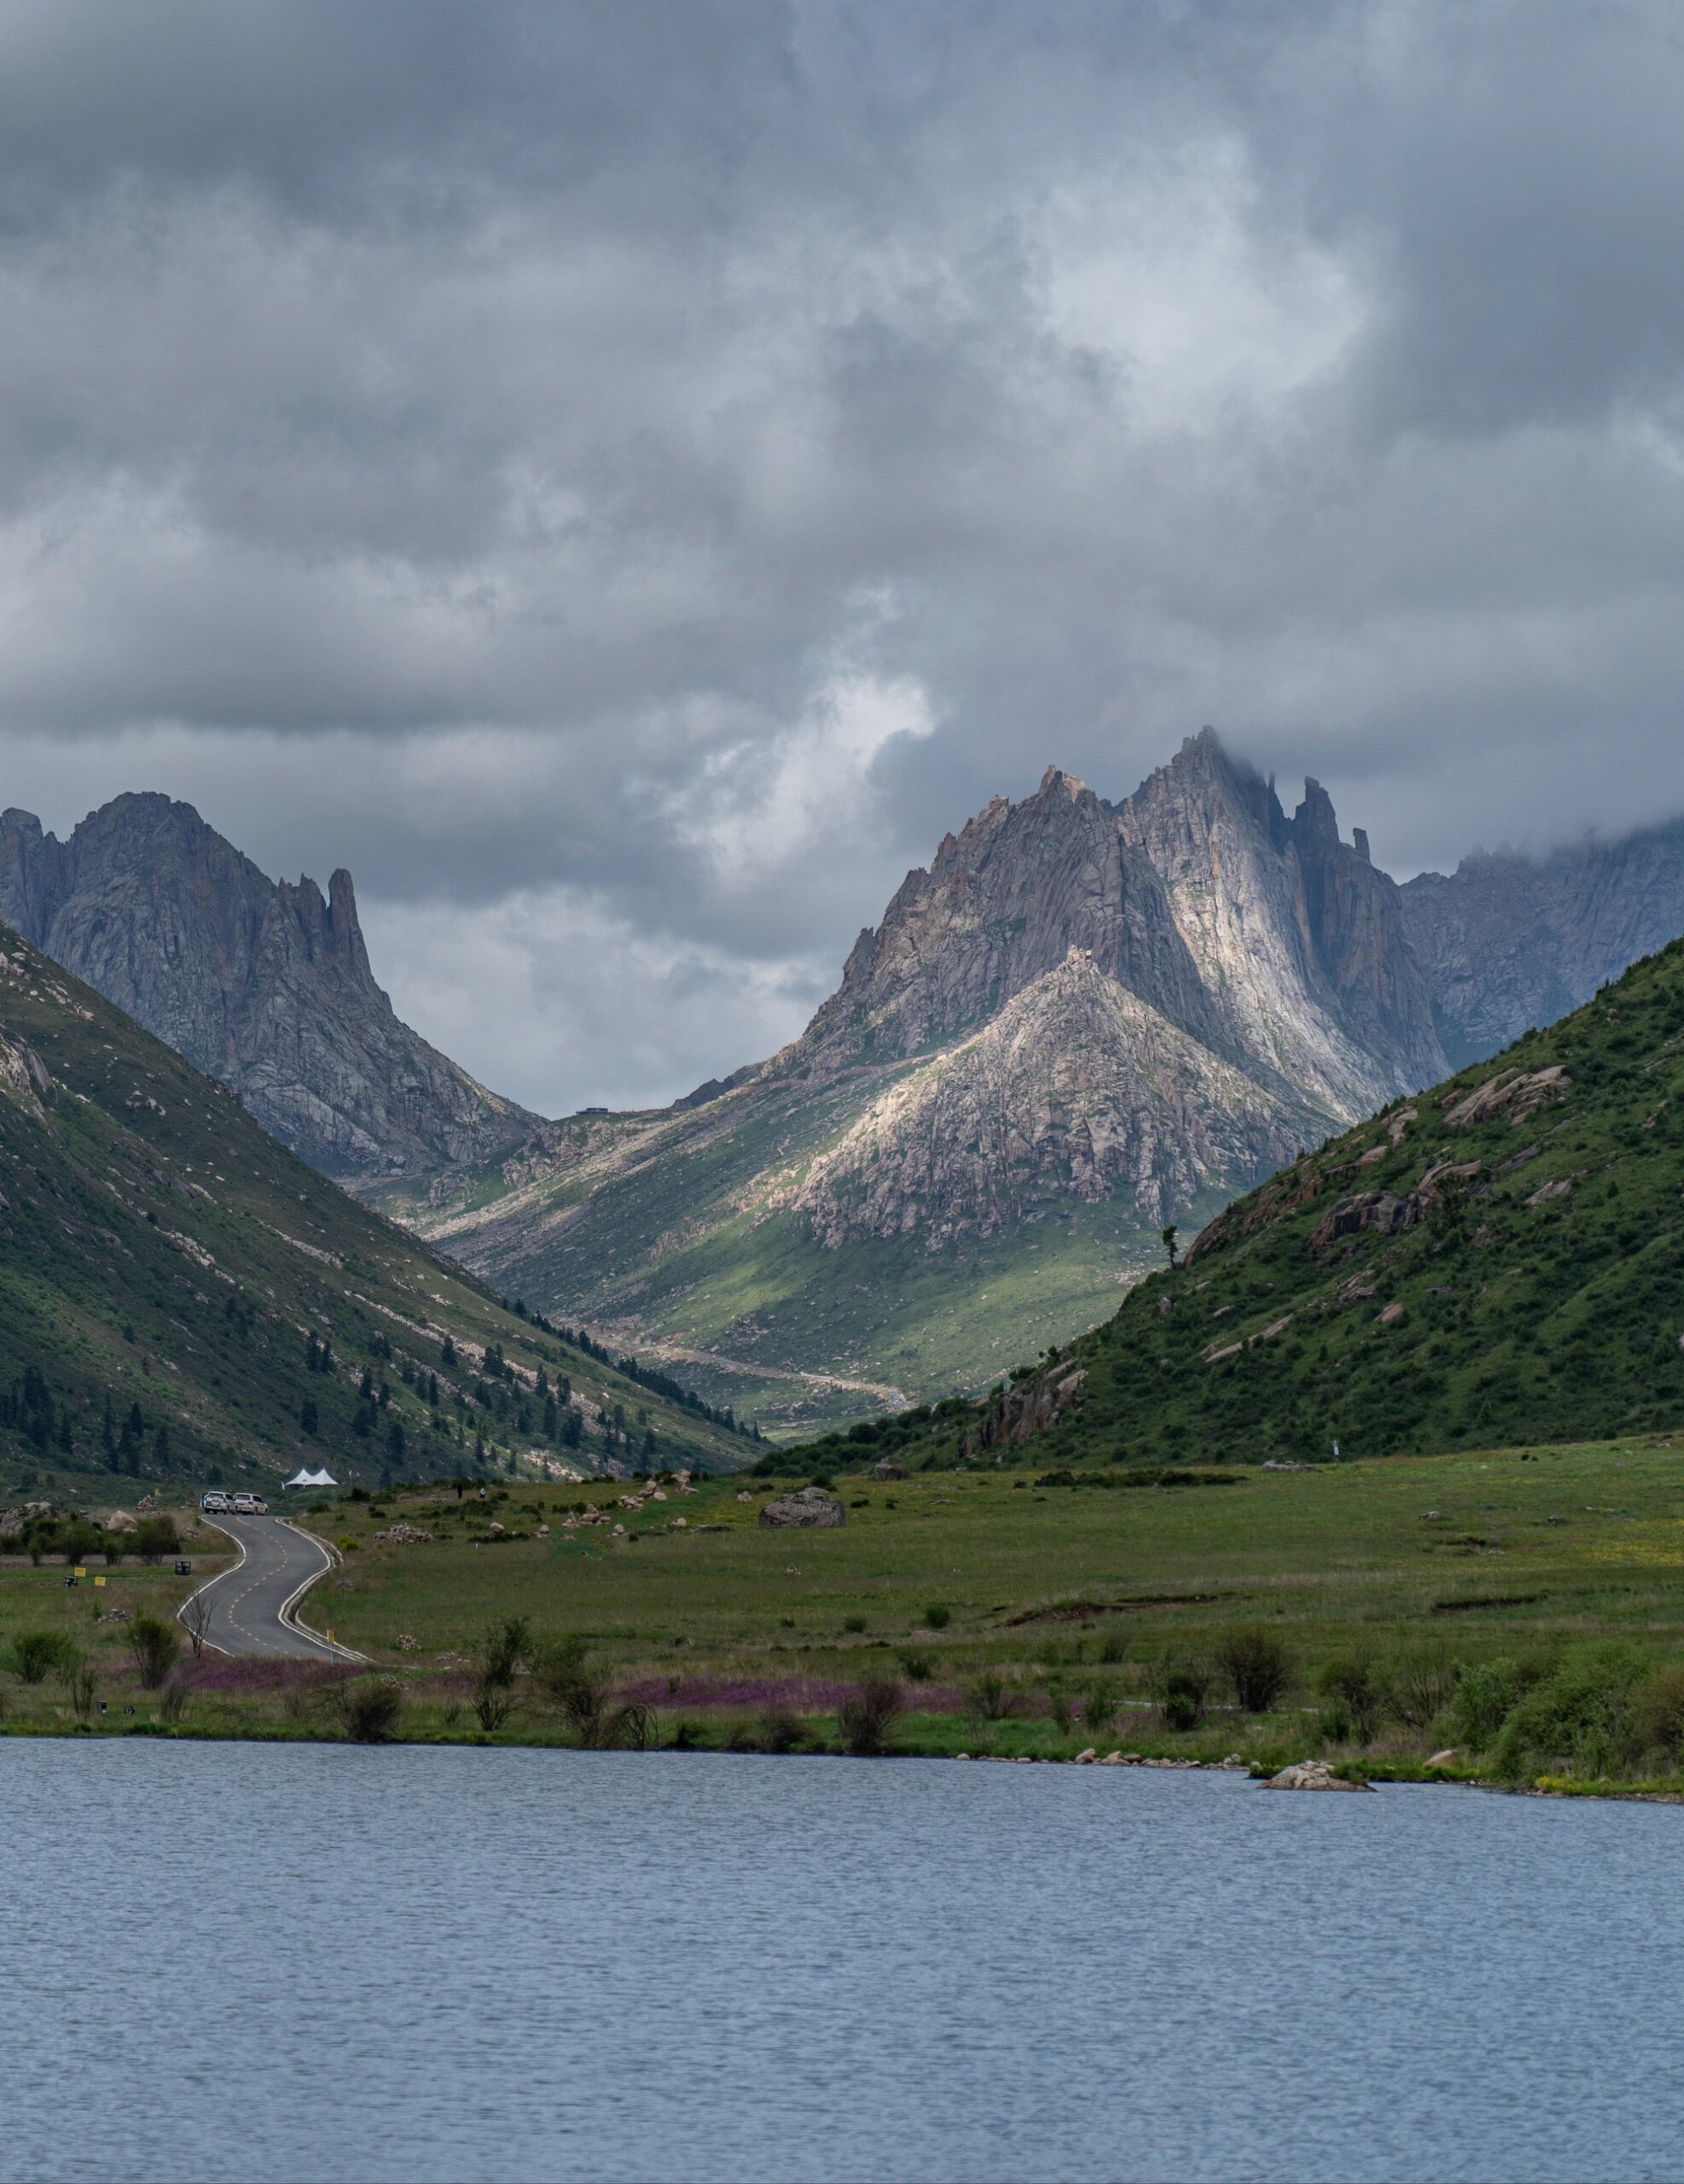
<point x="1390" y="1773"/>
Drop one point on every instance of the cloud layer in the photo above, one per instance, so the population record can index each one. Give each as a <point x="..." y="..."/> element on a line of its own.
<point x="626" y="481"/>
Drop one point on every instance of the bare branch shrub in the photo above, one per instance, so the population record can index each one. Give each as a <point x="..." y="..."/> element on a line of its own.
<point x="195" y="1620"/>
<point x="1256" y="1666"/>
<point x="868" y="1717"/>
<point x="1421" y="1685"/>
<point x="154" y="1646"/>
<point x="371" y="1707"/>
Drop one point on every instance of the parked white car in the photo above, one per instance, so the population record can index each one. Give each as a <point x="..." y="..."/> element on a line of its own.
<point x="246" y="1505"/>
<point x="215" y="1500"/>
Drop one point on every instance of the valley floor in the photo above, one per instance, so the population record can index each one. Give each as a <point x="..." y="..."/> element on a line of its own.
<point x="1012" y="1616"/>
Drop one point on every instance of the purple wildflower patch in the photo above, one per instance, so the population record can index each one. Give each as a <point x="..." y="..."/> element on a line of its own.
<point x="801" y="1694"/>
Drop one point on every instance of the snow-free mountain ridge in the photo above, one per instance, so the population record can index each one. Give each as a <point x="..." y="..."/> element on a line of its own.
<point x="1083" y="1021"/>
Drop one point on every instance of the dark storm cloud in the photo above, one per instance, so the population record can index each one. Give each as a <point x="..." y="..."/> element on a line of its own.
<point x="627" y="479"/>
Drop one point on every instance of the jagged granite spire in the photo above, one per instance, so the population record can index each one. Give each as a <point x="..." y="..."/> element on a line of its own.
<point x="268" y="987"/>
<point x="1297" y="938"/>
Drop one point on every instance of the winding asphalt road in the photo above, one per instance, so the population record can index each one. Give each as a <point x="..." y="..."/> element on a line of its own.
<point x="252" y="1605"/>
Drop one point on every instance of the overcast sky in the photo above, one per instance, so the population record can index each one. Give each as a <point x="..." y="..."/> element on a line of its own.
<point x="626" y="478"/>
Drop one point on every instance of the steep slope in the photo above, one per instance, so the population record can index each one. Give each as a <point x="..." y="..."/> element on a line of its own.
<point x="1004" y="903"/>
<point x="1077" y="1090"/>
<point x="1499" y="1260"/>
<point x="169" y="1274"/>
<point x="1081" y="1023"/>
<point x="1297" y="938"/>
<point x="1509" y="942"/>
<point x="267" y="987"/>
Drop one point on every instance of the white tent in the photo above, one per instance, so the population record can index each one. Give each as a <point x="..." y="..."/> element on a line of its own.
<point x="302" y="1478"/>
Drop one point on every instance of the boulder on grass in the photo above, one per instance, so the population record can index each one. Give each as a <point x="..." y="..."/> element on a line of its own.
<point x="811" y="1505"/>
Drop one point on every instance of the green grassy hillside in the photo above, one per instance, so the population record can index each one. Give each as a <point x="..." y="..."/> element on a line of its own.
<point x="181" y="1298"/>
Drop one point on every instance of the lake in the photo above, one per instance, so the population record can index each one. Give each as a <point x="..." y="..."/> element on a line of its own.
<point x="327" y="1962"/>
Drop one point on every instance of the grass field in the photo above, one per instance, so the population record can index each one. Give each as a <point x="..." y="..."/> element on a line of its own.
<point x="1056" y="1610"/>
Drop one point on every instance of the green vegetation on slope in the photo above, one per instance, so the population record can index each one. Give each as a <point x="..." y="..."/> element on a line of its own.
<point x="1501" y="1259"/>
<point x="182" y="1297"/>
<point x="674" y="1235"/>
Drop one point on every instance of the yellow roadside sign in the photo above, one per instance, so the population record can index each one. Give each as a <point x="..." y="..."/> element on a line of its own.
<point x="98" y="1580"/>
<point x="80" y="1571"/>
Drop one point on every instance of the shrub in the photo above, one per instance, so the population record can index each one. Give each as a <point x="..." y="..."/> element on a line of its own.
<point x="1114" y="1648"/>
<point x="992" y="1697"/>
<point x="778" y="1729"/>
<point x="504" y="1647"/>
<point x="1182" y="1689"/>
<point x="34" y="1654"/>
<point x="299" y="1697"/>
<point x="1357" y="1690"/>
<point x="1658" y="1715"/>
<point x="79" y="1540"/>
<point x="172" y="1697"/>
<point x="1421" y="1685"/>
<point x="1099" y="1706"/>
<point x="853" y="1623"/>
<point x="937" y="1617"/>
<point x="1485" y="1691"/>
<point x="1580" y="1716"/>
<point x="916" y="1667"/>
<point x="81" y="1681"/>
<point x="154" y="1537"/>
<point x="866" y="1717"/>
<point x="154" y="1646"/>
<point x="1062" y="1708"/>
<point x="584" y="1697"/>
<point x="1256" y="1668"/>
<point x="371" y="1707"/>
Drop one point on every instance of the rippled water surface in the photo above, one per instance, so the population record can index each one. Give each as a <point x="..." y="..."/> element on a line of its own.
<point x="250" y="1962"/>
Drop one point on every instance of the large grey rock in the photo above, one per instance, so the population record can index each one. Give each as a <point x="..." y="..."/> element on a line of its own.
<point x="267" y="987"/>
<point x="809" y="1507"/>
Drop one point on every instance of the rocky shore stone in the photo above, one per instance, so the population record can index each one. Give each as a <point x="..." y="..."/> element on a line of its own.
<point x="1311" y="1774"/>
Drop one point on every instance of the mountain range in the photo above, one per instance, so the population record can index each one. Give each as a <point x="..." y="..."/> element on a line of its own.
<point x="182" y="1299"/>
<point x="1083" y="1021"/>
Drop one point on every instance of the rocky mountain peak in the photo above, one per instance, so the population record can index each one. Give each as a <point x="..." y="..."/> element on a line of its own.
<point x="1314" y="820"/>
<point x="1297" y="938"/>
<point x="266" y="986"/>
<point x="1002" y="901"/>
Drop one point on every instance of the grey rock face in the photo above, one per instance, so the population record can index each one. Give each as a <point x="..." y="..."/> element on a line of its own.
<point x="1296" y="937"/>
<point x="1509" y="942"/>
<point x="1002" y="904"/>
<point x="267" y="987"/>
<point x="1077" y="1090"/>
